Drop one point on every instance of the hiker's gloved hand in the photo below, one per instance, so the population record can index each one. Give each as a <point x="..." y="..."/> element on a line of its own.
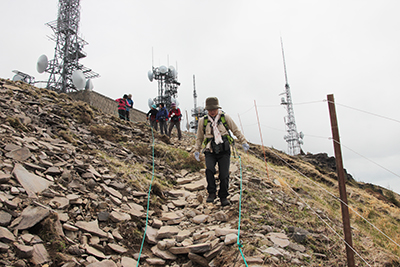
<point x="166" y="119"/>
<point x="246" y="147"/>
<point x="197" y="155"/>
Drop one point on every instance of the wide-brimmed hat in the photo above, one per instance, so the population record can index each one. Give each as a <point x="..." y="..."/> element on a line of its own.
<point x="212" y="103"/>
<point x="153" y="106"/>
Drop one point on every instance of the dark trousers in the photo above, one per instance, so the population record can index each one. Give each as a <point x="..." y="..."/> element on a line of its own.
<point x="163" y="126"/>
<point x="127" y="115"/>
<point x="154" y="124"/>
<point x="223" y="160"/>
<point x="122" y="114"/>
<point x="178" y="128"/>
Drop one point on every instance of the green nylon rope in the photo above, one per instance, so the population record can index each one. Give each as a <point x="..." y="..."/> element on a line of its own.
<point x="148" y="199"/>
<point x="240" y="211"/>
<point x="148" y="204"/>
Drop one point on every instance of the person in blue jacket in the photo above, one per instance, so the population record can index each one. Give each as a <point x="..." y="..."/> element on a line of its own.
<point x="162" y="118"/>
<point x="128" y="106"/>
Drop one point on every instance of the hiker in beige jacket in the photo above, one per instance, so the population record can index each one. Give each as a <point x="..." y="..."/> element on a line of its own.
<point x="213" y="134"/>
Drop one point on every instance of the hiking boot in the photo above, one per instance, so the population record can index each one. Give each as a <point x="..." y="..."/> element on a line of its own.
<point x="225" y="202"/>
<point x="210" y="198"/>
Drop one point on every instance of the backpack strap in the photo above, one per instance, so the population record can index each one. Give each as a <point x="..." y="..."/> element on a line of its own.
<point x="223" y="120"/>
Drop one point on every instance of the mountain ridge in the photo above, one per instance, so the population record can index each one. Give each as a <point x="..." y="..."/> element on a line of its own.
<point x="100" y="169"/>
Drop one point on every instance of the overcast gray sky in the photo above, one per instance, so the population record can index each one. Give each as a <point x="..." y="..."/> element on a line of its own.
<point x="346" y="48"/>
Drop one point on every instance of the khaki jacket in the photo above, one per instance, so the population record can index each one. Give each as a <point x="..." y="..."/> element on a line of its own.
<point x="208" y="134"/>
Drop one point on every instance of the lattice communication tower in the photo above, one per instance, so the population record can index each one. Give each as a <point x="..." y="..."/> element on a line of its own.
<point x="293" y="138"/>
<point x="167" y="85"/>
<point x="66" y="73"/>
<point x="197" y="111"/>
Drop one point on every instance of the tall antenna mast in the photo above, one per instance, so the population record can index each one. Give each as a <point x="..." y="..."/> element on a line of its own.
<point x="197" y="111"/>
<point x="194" y="93"/>
<point x="293" y="138"/>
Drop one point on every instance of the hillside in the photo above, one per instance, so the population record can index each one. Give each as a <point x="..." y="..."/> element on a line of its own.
<point x="75" y="185"/>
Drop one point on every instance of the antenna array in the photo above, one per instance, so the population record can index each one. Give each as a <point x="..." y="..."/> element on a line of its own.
<point x="66" y="73"/>
<point x="293" y="138"/>
<point x="167" y="85"/>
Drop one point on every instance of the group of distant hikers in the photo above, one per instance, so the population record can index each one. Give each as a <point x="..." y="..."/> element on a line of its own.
<point x="160" y="117"/>
<point x="124" y="105"/>
<point x="213" y="139"/>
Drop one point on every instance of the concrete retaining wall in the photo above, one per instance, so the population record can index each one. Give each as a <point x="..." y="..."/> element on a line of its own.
<point x="105" y="104"/>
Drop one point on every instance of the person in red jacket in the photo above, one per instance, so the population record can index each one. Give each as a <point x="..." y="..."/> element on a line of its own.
<point x="122" y="105"/>
<point x="175" y="115"/>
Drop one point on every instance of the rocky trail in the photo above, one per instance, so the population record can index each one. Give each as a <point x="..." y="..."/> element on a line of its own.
<point x="74" y="188"/>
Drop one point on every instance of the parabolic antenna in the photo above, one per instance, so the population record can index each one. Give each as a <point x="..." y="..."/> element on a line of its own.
<point x="150" y="75"/>
<point x="150" y="102"/>
<point x="78" y="79"/>
<point x="89" y="85"/>
<point x="172" y="71"/>
<point x="163" y="69"/>
<point x="42" y="63"/>
<point x="174" y="100"/>
<point x="17" y="78"/>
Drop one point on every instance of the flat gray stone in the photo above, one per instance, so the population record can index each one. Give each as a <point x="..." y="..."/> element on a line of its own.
<point x="168" y="216"/>
<point x="182" y="235"/>
<point x="112" y="191"/>
<point x="167" y="232"/>
<point x="179" y="250"/>
<point x="31" y="182"/>
<point x="200" y="248"/>
<point x="200" y="218"/>
<point x="117" y="248"/>
<point x="181" y="202"/>
<point x="163" y="254"/>
<point x="29" y="217"/>
<point x="230" y="239"/>
<point x="151" y="235"/>
<point x="60" y="202"/>
<point x="155" y="261"/>
<point x="128" y="262"/>
<point x="225" y="231"/>
<point x="116" y="216"/>
<point x="92" y="251"/>
<point x="103" y="263"/>
<point x="40" y="255"/>
<point x="4" y="178"/>
<point x="19" y="154"/>
<point x="279" y="239"/>
<point x="91" y="227"/>
<point x="5" y="218"/>
<point x="197" y="186"/>
<point x="6" y="235"/>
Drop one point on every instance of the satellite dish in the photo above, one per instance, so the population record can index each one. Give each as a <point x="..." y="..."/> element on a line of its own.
<point x="17" y="78"/>
<point x="163" y="69"/>
<point x="150" y="102"/>
<point x="174" y="100"/>
<point x="301" y="135"/>
<point x="89" y="85"/>
<point x="78" y="79"/>
<point x="150" y="75"/>
<point x="42" y="63"/>
<point x="172" y="71"/>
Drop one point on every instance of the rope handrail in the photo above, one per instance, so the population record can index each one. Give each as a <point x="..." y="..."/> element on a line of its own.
<point x="148" y="198"/>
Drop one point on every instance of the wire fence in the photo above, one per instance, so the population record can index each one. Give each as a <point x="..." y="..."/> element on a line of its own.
<point x="381" y="232"/>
